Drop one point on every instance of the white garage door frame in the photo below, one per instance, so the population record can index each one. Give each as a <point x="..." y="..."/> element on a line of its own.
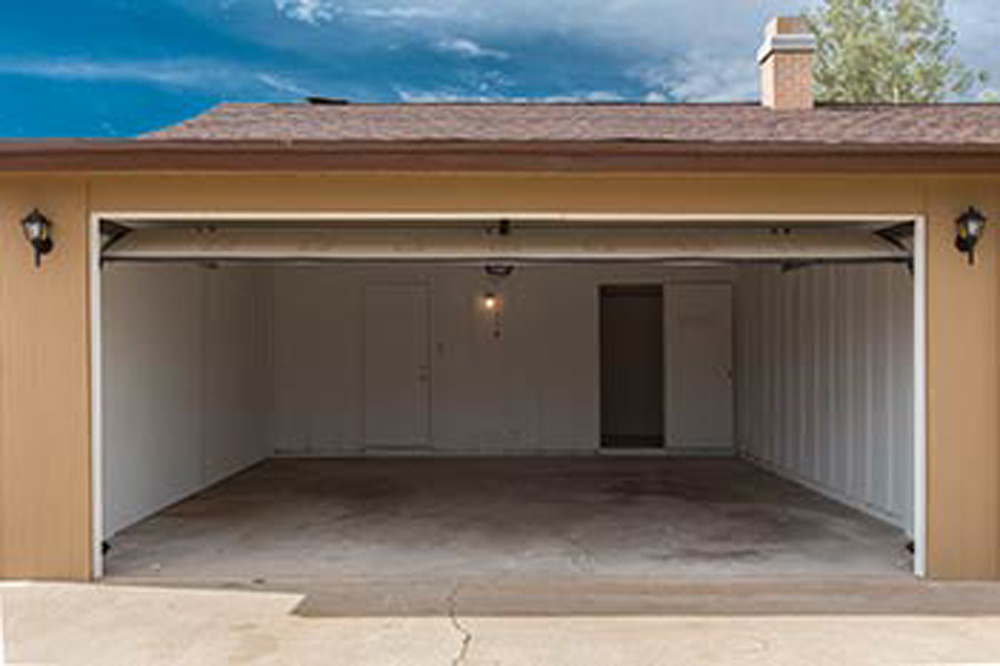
<point x="779" y="220"/>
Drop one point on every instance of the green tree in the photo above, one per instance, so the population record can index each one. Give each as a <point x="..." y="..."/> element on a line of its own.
<point x="896" y="51"/>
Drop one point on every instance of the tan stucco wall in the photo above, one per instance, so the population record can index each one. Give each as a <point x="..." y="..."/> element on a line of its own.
<point x="44" y="387"/>
<point x="45" y="467"/>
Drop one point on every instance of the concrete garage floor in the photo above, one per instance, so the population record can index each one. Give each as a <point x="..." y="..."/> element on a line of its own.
<point x="489" y="519"/>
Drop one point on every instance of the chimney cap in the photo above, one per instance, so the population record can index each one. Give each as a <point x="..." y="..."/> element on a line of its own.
<point x="787" y="25"/>
<point x="787" y="34"/>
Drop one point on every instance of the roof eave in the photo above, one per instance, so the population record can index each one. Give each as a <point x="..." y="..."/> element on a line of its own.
<point x="82" y="155"/>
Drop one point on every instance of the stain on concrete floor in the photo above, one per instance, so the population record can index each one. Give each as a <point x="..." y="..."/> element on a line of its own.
<point x="512" y="517"/>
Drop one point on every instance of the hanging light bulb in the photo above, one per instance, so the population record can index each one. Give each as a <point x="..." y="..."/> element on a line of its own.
<point x="492" y="304"/>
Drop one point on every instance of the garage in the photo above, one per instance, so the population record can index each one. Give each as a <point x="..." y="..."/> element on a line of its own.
<point x="519" y="394"/>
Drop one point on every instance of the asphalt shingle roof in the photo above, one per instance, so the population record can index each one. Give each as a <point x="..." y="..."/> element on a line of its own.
<point x="932" y="125"/>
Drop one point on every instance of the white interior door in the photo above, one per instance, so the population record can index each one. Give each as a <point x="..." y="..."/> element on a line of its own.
<point x="397" y="370"/>
<point x="699" y="361"/>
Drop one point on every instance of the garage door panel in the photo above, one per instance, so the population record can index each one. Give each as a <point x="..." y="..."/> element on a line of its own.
<point x="476" y="243"/>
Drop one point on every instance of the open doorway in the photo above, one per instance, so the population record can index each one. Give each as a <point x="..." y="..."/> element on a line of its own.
<point x="631" y="347"/>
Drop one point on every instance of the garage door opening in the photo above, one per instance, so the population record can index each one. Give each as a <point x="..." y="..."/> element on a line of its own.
<point x="509" y="397"/>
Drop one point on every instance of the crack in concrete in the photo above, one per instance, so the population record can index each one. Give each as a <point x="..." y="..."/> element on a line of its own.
<point x="581" y="558"/>
<point x="463" y="650"/>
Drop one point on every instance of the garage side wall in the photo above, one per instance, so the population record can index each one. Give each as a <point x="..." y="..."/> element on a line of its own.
<point x="825" y="381"/>
<point x="186" y="383"/>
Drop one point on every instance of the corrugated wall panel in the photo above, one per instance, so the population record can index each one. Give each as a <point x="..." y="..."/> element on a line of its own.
<point x="825" y="381"/>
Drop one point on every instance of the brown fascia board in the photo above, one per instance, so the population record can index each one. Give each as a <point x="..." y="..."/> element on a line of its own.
<point x="83" y="155"/>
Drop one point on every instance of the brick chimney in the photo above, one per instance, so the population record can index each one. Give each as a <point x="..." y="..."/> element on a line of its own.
<point x="786" y="61"/>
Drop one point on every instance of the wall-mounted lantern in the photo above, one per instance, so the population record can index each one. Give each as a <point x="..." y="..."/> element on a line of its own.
<point x="38" y="232"/>
<point x="970" y="225"/>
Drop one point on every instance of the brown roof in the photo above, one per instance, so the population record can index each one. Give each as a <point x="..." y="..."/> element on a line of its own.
<point x="923" y="125"/>
<point x="543" y="137"/>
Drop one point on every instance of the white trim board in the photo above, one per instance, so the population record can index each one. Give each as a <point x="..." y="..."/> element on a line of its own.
<point x="96" y="400"/>
<point x="920" y="396"/>
<point x="694" y="219"/>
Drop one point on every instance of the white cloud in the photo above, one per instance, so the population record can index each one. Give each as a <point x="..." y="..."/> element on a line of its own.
<point x="197" y="74"/>
<point x="467" y="48"/>
<point x="707" y="48"/>
<point x="308" y="11"/>
<point x="282" y="85"/>
<point x="173" y="73"/>
<point x="703" y="75"/>
<point x="647" y="33"/>
<point x="652" y="25"/>
<point x="452" y="95"/>
<point x="397" y="13"/>
<point x="316" y="12"/>
<point x="978" y="24"/>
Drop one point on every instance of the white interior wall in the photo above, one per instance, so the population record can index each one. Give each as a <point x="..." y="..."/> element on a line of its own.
<point x="206" y="372"/>
<point x="825" y="381"/>
<point x="534" y="390"/>
<point x="186" y="390"/>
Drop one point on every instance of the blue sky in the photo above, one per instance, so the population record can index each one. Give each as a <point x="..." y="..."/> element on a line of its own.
<point x="121" y="67"/>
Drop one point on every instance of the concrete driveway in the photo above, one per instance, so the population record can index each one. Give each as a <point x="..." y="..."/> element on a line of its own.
<point x="546" y="623"/>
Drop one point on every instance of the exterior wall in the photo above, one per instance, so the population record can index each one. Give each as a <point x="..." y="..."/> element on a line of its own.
<point x="536" y="389"/>
<point x="43" y="347"/>
<point x="825" y="381"/>
<point x="963" y="386"/>
<point x="44" y="386"/>
<point x="186" y="383"/>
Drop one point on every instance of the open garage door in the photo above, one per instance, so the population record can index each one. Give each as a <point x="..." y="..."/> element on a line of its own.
<point x="504" y="240"/>
<point x="301" y="398"/>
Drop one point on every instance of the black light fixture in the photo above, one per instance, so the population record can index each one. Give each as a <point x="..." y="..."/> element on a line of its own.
<point x="499" y="271"/>
<point x="38" y="231"/>
<point x="970" y="225"/>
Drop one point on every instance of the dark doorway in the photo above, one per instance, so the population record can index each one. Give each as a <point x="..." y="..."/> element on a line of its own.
<point x="631" y="347"/>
